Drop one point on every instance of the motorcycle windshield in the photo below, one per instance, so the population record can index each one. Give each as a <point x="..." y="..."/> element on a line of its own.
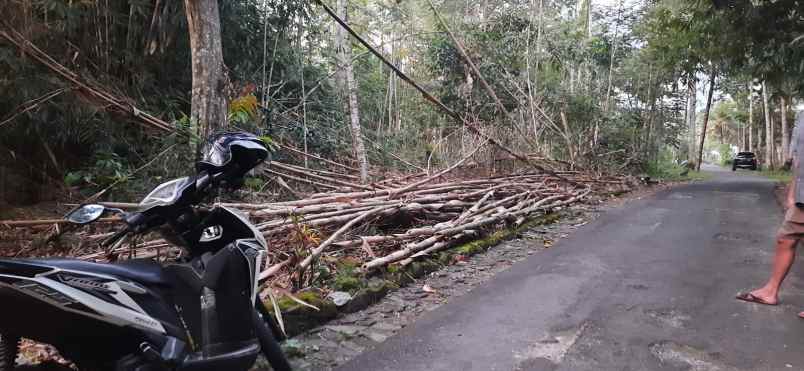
<point x="164" y="194"/>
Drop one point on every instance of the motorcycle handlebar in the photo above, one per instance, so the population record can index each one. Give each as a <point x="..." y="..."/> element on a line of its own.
<point x="134" y="221"/>
<point x="138" y="222"/>
<point x="203" y="181"/>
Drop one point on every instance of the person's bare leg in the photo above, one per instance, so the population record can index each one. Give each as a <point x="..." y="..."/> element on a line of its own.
<point x="782" y="261"/>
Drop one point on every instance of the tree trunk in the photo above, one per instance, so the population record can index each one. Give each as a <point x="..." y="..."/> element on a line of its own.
<point x="538" y="46"/>
<point x="691" y="104"/>
<point x="611" y="71"/>
<point x="785" y="129"/>
<point x="768" y="128"/>
<point x="743" y="138"/>
<point x="209" y="108"/>
<point x="651" y="113"/>
<point x="775" y="147"/>
<point x="303" y="91"/>
<point x="751" y="121"/>
<point x="611" y="60"/>
<point x="341" y="40"/>
<point x="350" y="103"/>
<point x="712" y="77"/>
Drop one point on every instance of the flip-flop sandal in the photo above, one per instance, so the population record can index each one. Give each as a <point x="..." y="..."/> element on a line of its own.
<point x="753" y="299"/>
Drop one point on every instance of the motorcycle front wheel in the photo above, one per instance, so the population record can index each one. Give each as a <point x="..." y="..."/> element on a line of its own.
<point x="270" y="347"/>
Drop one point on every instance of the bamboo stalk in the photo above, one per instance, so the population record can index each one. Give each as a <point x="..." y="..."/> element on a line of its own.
<point x="318" y="250"/>
<point x="306" y="172"/>
<point x="41" y="222"/>
<point x="439" y="174"/>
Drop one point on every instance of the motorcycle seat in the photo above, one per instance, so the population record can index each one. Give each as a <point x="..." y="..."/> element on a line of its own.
<point x="146" y="271"/>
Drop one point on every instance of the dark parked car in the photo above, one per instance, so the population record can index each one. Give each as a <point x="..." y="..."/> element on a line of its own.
<point x="744" y="160"/>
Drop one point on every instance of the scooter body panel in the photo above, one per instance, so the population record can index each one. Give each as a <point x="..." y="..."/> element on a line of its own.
<point x="196" y="313"/>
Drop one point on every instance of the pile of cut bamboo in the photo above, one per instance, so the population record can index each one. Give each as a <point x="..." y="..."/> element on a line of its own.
<point x="411" y="217"/>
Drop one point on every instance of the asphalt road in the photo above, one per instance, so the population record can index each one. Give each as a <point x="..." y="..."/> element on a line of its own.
<point x="649" y="286"/>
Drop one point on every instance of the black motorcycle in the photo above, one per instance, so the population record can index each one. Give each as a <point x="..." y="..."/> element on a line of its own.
<point x="200" y="312"/>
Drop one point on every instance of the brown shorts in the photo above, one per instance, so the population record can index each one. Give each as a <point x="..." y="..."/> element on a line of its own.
<point x="793" y="225"/>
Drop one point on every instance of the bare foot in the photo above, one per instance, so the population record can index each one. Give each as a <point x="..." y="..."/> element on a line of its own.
<point x="801" y="315"/>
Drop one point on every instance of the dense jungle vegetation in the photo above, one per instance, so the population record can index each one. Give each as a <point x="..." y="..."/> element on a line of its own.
<point x="616" y="86"/>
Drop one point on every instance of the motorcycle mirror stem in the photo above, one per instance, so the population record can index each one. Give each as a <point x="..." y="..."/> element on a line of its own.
<point x="117" y="211"/>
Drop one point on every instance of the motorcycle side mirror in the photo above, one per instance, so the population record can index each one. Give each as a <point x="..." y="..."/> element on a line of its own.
<point x="85" y="214"/>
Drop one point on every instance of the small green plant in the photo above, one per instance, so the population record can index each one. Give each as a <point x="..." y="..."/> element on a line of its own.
<point x="666" y="168"/>
<point x="254" y="184"/>
<point x="109" y="168"/>
<point x="346" y="283"/>
<point x="270" y="143"/>
<point x="243" y="110"/>
<point x="347" y="277"/>
<point x="75" y="178"/>
<point x="725" y="154"/>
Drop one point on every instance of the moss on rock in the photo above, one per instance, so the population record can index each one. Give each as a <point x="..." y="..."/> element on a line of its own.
<point x="480" y="245"/>
<point x="346" y="283"/>
<point x="374" y="290"/>
<point x="348" y="277"/>
<point x="299" y="318"/>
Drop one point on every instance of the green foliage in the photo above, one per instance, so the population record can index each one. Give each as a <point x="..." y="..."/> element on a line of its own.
<point x="346" y="283"/>
<point x="243" y="110"/>
<point x="726" y="155"/>
<point x="665" y="168"/>
<point x="254" y="184"/>
<point x="146" y="63"/>
<point x="107" y="169"/>
<point x="269" y="143"/>
<point x="74" y="178"/>
<point x="347" y="277"/>
<point x="604" y="94"/>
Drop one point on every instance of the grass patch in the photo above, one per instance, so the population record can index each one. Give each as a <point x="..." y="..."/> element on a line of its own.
<point x="666" y="167"/>
<point x="673" y="172"/>
<point x="784" y="176"/>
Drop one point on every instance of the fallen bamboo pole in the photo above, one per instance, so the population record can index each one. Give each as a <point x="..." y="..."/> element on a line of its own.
<point x="318" y="250"/>
<point x="43" y="222"/>
<point x="305" y="172"/>
<point x="438" y="175"/>
<point x="40" y="56"/>
<point x="294" y="150"/>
